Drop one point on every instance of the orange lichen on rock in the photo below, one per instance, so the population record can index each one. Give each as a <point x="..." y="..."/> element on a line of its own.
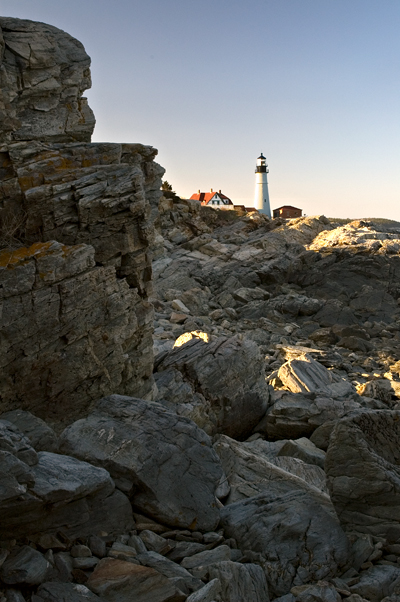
<point x="10" y="259"/>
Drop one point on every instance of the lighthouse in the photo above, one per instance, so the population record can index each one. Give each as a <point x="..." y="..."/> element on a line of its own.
<point x="261" y="197"/>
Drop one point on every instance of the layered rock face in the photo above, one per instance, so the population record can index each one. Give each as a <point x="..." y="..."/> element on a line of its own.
<point x="77" y="323"/>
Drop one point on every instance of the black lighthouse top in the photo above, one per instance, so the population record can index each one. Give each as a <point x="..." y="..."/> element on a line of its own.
<point x="261" y="164"/>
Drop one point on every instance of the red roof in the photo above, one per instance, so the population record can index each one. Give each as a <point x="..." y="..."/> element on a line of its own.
<point x="205" y="197"/>
<point x="288" y="207"/>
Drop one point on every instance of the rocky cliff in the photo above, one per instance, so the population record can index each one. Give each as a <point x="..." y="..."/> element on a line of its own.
<point x="264" y="464"/>
<point x="76" y="230"/>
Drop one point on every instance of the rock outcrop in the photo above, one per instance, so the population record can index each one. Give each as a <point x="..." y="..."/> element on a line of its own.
<point x="75" y="221"/>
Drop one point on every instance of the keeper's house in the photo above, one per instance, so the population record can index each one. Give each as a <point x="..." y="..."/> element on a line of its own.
<point x="212" y="199"/>
<point x="287" y="211"/>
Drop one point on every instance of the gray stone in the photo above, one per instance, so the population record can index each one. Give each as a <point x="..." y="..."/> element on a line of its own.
<point x="249" y="473"/>
<point x="14" y="442"/>
<point x="14" y="595"/>
<point x="165" y="462"/>
<point x="207" y="557"/>
<point x="122" y="552"/>
<point x="65" y="592"/>
<point x="240" y="581"/>
<point x="41" y="436"/>
<point x="377" y="582"/>
<point x="303" y="449"/>
<point x="363" y="473"/>
<point x="25" y="566"/>
<point x="207" y="593"/>
<point x="305" y="375"/>
<point x="46" y="103"/>
<point x="296" y="415"/>
<point x="85" y="564"/>
<point x="317" y="592"/>
<point x="80" y="551"/>
<point x="183" y="549"/>
<point x="155" y="543"/>
<point x="115" y="580"/>
<point x="97" y="546"/>
<point x="67" y="494"/>
<point x="229" y="374"/>
<point x="300" y="537"/>
<point x="311" y="474"/>
<point x="170" y="569"/>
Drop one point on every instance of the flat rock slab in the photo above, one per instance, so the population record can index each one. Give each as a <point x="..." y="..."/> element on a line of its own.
<point x="363" y="471"/>
<point x="120" y="581"/>
<point x="301" y="539"/>
<point x="163" y="461"/>
<point x="64" y="592"/>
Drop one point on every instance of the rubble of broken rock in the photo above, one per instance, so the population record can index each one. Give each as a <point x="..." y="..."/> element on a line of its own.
<point x="266" y="469"/>
<point x="258" y="461"/>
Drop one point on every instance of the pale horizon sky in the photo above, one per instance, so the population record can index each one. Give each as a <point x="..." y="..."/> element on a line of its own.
<point x="313" y="84"/>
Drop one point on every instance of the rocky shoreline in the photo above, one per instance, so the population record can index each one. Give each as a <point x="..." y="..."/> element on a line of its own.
<point x="256" y="462"/>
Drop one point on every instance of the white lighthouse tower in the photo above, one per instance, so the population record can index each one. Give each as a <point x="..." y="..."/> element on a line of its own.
<point x="261" y="197"/>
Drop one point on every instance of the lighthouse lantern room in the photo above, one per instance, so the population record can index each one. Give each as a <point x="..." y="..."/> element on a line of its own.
<point x="261" y="198"/>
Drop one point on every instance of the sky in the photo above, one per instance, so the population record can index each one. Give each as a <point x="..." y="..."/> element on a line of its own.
<point x="313" y="84"/>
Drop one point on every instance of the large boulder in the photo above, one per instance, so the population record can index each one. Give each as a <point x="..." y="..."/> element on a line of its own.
<point x="362" y="466"/>
<point x="229" y="374"/>
<point x="300" y="539"/>
<point x="250" y="473"/>
<point x="59" y="492"/>
<point x="305" y="375"/>
<point x="164" y="462"/>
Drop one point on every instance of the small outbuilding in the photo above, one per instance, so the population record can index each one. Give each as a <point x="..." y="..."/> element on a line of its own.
<point x="287" y="212"/>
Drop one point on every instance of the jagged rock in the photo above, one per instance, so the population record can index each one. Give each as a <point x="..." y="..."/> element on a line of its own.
<point x="14" y="442"/>
<point x="311" y="474"/>
<point x="64" y="592"/>
<point x="363" y="475"/>
<point x="119" y="581"/>
<point x="46" y="103"/>
<point x="304" y="375"/>
<point x="207" y="593"/>
<point x="65" y="494"/>
<point x="170" y="569"/>
<point x="207" y="557"/>
<point x="303" y="449"/>
<point x="164" y="462"/>
<point x="249" y="473"/>
<point x="378" y="582"/>
<point x="240" y="581"/>
<point x="301" y="539"/>
<point x="229" y="374"/>
<point x="322" y="591"/>
<point x="41" y="436"/>
<point x="296" y="415"/>
<point x="25" y="566"/>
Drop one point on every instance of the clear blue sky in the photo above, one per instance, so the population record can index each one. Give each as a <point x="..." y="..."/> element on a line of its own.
<point x="313" y="84"/>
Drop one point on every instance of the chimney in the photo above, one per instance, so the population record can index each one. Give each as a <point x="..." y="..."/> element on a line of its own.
<point x="219" y="191"/>
<point x="198" y="192"/>
<point x="211" y="190"/>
